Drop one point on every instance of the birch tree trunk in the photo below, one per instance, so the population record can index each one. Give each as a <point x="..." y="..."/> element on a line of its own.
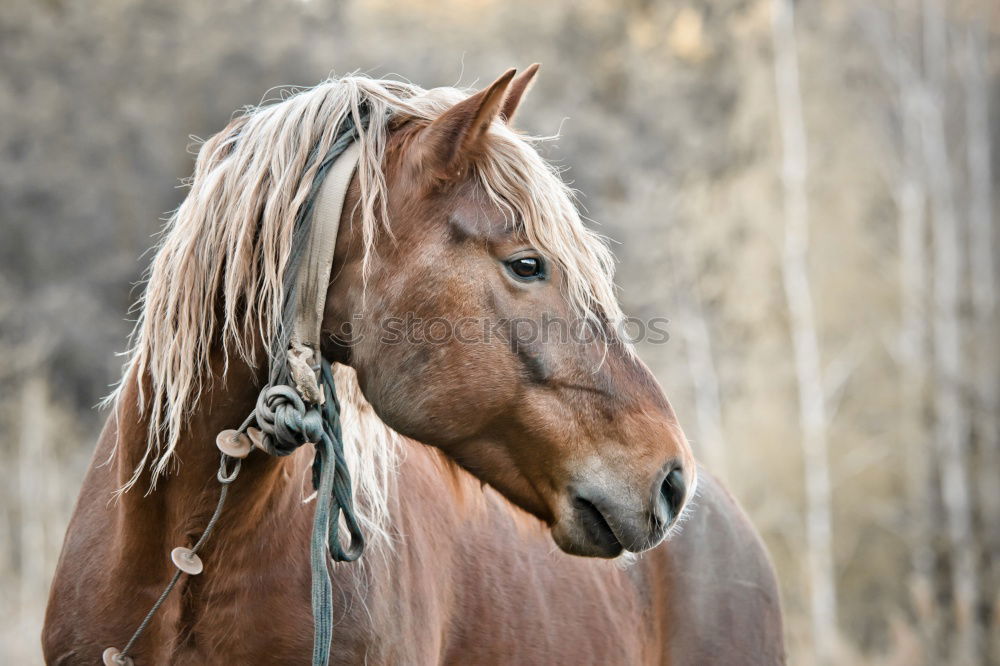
<point x="982" y="274"/>
<point x="982" y="277"/>
<point x="911" y="201"/>
<point x="705" y="380"/>
<point x="951" y="428"/>
<point x="805" y="343"/>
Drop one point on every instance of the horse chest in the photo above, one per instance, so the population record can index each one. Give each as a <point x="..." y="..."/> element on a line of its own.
<point x="247" y="617"/>
<point x="264" y="615"/>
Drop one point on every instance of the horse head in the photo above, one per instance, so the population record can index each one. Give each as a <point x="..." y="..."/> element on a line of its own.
<point x="482" y="321"/>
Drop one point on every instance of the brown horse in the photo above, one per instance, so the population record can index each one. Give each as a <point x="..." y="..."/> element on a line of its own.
<point x="471" y="437"/>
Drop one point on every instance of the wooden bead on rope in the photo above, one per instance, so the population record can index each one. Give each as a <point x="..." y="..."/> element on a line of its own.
<point x="113" y="657"/>
<point x="186" y="560"/>
<point x="256" y="438"/>
<point x="234" y="444"/>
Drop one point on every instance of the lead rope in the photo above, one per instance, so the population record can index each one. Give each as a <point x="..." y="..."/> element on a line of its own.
<point x="285" y="423"/>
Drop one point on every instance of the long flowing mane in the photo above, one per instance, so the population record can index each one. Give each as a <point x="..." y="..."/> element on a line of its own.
<point x="217" y="277"/>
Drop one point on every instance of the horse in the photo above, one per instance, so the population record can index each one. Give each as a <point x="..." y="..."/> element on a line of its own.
<point x="472" y="450"/>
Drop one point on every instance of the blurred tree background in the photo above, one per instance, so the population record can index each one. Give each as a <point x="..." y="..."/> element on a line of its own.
<point x="807" y="191"/>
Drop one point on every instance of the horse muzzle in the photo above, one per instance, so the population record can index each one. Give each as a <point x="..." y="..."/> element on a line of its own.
<point x="597" y="521"/>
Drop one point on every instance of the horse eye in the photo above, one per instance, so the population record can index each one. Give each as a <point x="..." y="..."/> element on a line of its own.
<point x="526" y="268"/>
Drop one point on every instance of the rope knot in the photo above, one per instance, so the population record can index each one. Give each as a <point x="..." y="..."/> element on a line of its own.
<point x="285" y="421"/>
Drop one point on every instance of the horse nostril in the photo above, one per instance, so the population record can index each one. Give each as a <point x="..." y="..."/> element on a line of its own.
<point x="672" y="492"/>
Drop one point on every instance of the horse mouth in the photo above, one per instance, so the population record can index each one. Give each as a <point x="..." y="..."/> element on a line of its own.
<point x="597" y="528"/>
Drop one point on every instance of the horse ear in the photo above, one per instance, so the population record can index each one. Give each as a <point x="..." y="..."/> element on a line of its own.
<point x="458" y="131"/>
<point x="519" y="87"/>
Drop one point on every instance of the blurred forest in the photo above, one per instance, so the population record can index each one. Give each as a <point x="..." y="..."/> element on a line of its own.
<point x="808" y="191"/>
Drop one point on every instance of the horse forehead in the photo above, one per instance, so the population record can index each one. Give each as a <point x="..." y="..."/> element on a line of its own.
<point x="472" y="215"/>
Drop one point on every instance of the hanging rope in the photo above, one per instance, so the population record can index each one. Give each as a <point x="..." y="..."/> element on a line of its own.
<point x="334" y="499"/>
<point x="287" y="423"/>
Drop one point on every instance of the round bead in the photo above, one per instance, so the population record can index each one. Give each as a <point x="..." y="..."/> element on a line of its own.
<point x="113" y="657"/>
<point x="233" y="443"/>
<point x="186" y="561"/>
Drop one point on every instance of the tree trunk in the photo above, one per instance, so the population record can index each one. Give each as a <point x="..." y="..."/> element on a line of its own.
<point x="911" y="201"/>
<point x="982" y="277"/>
<point x="705" y="380"/>
<point x="805" y="343"/>
<point x="951" y="430"/>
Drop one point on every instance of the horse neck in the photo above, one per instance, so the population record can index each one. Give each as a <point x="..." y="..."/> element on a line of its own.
<point x="181" y="503"/>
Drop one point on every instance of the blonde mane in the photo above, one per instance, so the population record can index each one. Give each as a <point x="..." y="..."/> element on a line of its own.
<point x="217" y="277"/>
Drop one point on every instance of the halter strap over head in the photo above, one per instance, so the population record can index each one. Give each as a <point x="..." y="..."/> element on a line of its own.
<point x="313" y="277"/>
